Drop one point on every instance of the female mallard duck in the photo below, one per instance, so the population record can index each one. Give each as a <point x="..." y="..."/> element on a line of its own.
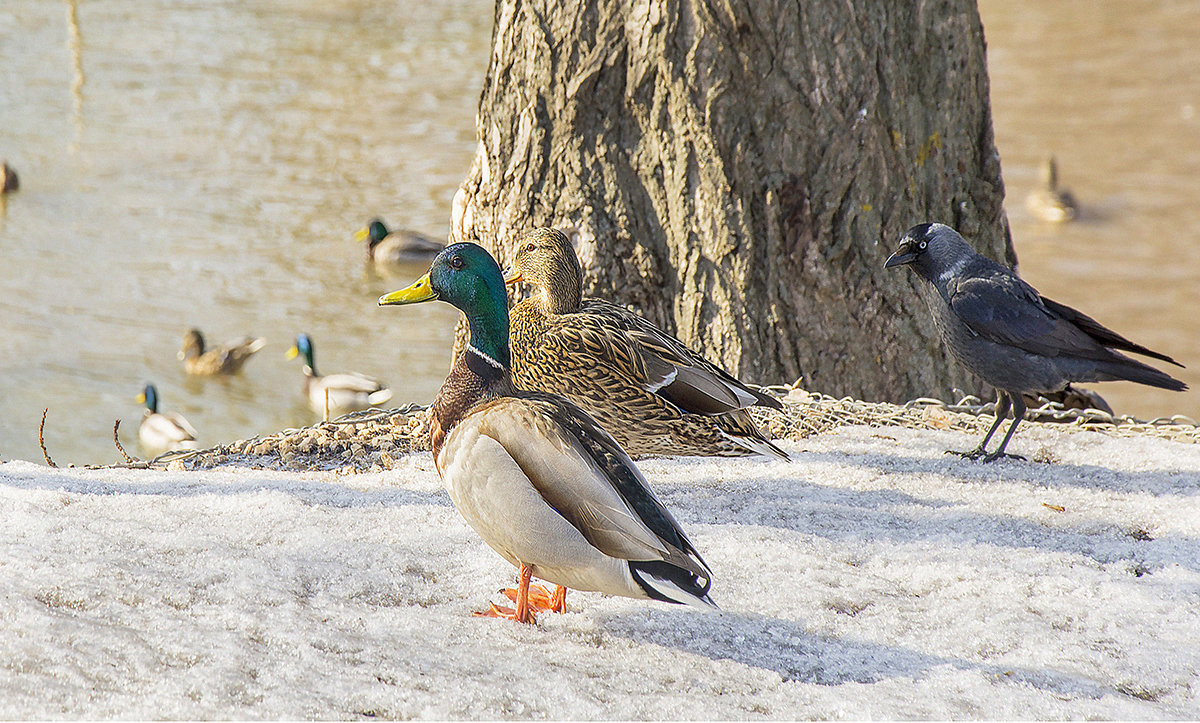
<point x="655" y="395"/>
<point x="390" y="247"/>
<point x="218" y="360"/>
<point x="336" y="393"/>
<point x="161" y="432"/>
<point x="533" y="474"/>
<point x="1048" y="203"/>
<point x="8" y="178"/>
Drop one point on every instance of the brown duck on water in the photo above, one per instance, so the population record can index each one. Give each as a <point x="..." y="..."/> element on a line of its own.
<point x="228" y="359"/>
<point x="1048" y="202"/>
<point x="650" y="391"/>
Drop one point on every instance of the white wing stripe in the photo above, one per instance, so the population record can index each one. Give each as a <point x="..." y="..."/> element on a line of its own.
<point x="653" y="387"/>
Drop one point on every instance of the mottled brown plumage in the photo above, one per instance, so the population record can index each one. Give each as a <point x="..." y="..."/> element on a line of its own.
<point x="649" y="390"/>
<point x="218" y="360"/>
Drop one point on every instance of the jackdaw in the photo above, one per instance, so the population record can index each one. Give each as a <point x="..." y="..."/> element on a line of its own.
<point x="1015" y="339"/>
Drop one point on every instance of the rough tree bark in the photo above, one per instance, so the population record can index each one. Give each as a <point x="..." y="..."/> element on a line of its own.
<point x="740" y="169"/>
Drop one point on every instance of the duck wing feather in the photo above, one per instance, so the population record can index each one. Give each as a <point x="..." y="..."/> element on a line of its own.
<point x="581" y="472"/>
<point x="668" y="367"/>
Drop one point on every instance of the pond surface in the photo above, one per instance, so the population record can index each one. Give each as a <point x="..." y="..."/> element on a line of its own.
<point x="1111" y="89"/>
<point x="205" y="164"/>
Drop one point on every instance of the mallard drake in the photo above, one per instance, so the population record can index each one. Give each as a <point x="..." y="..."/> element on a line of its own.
<point x="540" y="481"/>
<point x="218" y="360"/>
<point x="336" y="393"/>
<point x="161" y="432"/>
<point x="1048" y="202"/>
<point x="402" y="246"/>
<point x="653" y="393"/>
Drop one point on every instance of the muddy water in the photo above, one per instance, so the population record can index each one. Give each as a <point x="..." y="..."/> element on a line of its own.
<point x="1111" y="89"/>
<point x="204" y="164"/>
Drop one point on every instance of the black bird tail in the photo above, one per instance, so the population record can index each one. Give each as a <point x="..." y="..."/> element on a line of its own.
<point x="666" y="582"/>
<point x="1134" y="371"/>
<point x="1107" y="337"/>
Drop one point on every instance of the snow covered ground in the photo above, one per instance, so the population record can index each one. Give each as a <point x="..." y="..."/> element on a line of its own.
<point x="871" y="577"/>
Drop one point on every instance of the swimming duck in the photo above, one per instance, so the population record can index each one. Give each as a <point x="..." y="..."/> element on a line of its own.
<point x="540" y="481"/>
<point x="653" y="393"/>
<point x="336" y="393"/>
<point x="1047" y="202"/>
<point x="8" y="178"/>
<point x="161" y="432"/>
<point x="218" y="360"/>
<point x="389" y="247"/>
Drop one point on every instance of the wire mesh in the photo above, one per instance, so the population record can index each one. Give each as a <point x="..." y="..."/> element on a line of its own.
<point x="372" y="440"/>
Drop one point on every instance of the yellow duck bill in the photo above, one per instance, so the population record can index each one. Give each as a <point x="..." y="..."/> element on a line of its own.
<point x="420" y="290"/>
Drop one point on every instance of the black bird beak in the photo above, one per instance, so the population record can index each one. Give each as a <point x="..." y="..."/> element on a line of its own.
<point x="903" y="255"/>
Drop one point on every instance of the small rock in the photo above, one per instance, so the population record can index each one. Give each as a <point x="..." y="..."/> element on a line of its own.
<point x="798" y="396"/>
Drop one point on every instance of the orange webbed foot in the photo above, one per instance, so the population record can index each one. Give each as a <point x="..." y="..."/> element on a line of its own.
<point x="524" y="612"/>
<point x="541" y="600"/>
<point x="506" y="613"/>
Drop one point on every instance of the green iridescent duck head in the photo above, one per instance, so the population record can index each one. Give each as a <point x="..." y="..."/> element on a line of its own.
<point x="466" y="276"/>
<point x="303" y="347"/>
<point x="149" y="397"/>
<point x="373" y="233"/>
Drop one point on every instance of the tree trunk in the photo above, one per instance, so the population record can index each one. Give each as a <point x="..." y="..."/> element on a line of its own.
<point x="739" y="170"/>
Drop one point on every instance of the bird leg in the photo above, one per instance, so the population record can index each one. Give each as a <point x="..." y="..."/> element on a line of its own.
<point x="541" y="600"/>
<point x="1002" y="406"/>
<point x="523" y="614"/>
<point x="1018" y="413"/>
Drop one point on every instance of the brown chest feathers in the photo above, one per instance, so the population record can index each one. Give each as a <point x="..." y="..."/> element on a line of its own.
<point x="472" y="381"/>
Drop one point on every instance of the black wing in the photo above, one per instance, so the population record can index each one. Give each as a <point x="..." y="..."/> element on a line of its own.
<point x="1101" y="333"/>
<point x="1003" y="309"/>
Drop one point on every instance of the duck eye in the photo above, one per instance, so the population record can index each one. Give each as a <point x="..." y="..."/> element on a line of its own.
<point x="456" y="262"/>
<point x="530" y="247"/>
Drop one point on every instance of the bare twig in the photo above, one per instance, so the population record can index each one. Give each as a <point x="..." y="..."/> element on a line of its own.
<point x="42" y="440"/>
<point x="326" y="404"/>
<point x="117" y="441"/>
